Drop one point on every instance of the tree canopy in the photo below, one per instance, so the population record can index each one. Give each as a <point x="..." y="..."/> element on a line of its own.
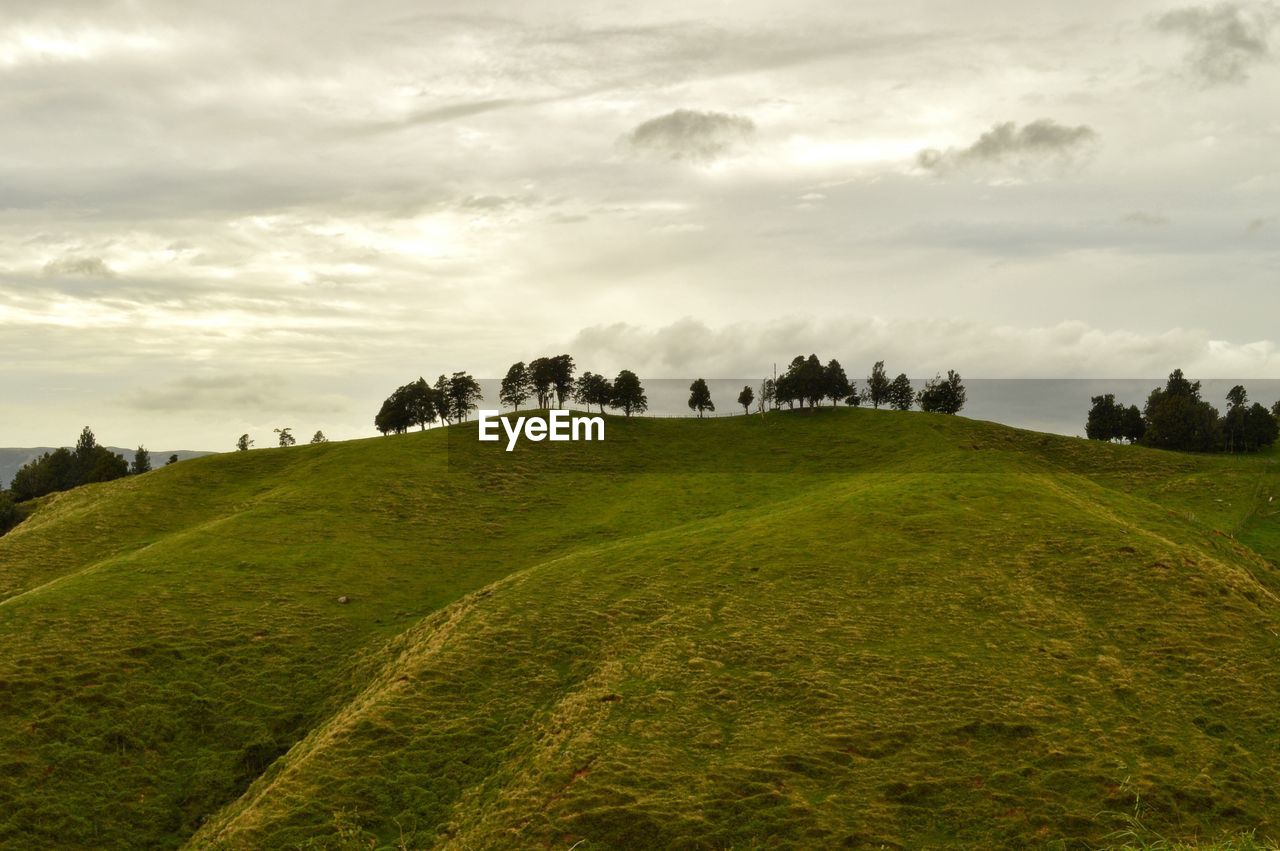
<point x="628" y="394"/>
<point x="63" y="469"/>
<point x="878" y="391"/>
<point x="700" y="397"/>
<point x="943" y="395"/>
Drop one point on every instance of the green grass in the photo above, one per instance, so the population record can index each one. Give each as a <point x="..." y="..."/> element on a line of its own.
<point x="849" y="629"/>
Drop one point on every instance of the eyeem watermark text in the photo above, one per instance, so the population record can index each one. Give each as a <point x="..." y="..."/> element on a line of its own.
<point x="558" y="425"/>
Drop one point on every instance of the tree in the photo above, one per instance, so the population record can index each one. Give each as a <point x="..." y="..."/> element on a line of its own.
<point x="1132" y="425"/>
<point x="900" y="394"/>
<point x="542" y="378"/>
<point x="141" y="461"/>
<point x="786" y="389"/>
<point x="393" y="416"/>
<point x="1235" y="421"/>
<point x="419" y="403"/>
<point x="464" y="394"/>
<point x="516" y="387"/>
<point x="9" y="514"/>
<point x="243" y="444"/>
<point x="286" y="436"/>
<point x="700" y="397"/>
<point x="173" y="459"/>
<point x="1261" y="428"/>
<point x="768" y="391"/>
<point x="1177" y="418"/>
<point x="319" y="437"/>
<point x="836" y="383"/>
<point x="1275" y="410"/>
<point x="442" y="396"/>
<point x="562" y="377"/>
<point x="804" y="381"/>
<point x="745" y="398"/>
<point x="878" y="386"/>
<point x="1105" y="420"/>
<point x="943" y="396"/>
<point x="628" y="394"/>
<point x="592" y="389"/>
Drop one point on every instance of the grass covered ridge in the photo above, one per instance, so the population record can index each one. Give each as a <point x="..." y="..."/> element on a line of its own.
<point x="854" y="628"/>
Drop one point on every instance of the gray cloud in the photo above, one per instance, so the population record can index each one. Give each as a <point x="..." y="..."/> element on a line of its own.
<point x="89" y="267"/>
<point x="1040" y="142"/>
<point x="1227" y="39"/>
<point x="687" y="134"/>
<point x="1142" y="217"/>
<point x="232" y="392"/>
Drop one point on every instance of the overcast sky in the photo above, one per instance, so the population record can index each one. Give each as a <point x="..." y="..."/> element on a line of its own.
<point x="219" y="217"/>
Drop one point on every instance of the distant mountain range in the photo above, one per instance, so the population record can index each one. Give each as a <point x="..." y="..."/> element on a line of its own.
<point x="11" y="460"/>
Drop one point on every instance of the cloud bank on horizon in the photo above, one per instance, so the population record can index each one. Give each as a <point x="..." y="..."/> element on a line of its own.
<point x="264" y="211"/>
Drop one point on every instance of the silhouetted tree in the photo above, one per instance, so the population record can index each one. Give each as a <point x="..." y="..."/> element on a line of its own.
<point x="836" y="383"/>
<point x="393" y="417"/>
<point x="286" y="436"/>
<point x="464" y="394"/>
<point x="418" y="402"/>
<point x="745" y="398"/>
<point x="141" y="461"/>
<point x="1177" y="418"/>
<point x="542" y="377"/>
<point x="787" y="389"/>
<point x="516" y="387"/>
<point x="1235" y="420"/>
<point x="1132" y="425"/>
<point x="562" y="377"/>
<point x="442" y="397"/>
<point x="628" y="394"/>
<point x="243" y="444"/>
<point x="319" y="437"/>
<point x="1261" y="428"/>
<point x="1105" y="420"/>
<point x="1275" y="410"/>
<point x="173" y="459"/>
<point x="943" y="396"/>
<point x="700" y="397"/>
<point x="591" y="389"/>
<point x="878" y="385"/>
<point x="901" y="395"/>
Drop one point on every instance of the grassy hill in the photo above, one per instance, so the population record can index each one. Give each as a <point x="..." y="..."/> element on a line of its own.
<point x="850" y="629"/>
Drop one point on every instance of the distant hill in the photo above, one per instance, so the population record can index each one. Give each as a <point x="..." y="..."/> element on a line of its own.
<point x="12" y="460"/>
<point x="848" y="628"/>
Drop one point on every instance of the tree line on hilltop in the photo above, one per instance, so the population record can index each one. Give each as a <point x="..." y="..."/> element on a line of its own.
<point x="1176" y="417"/>
<point x="548" y="381"/>
<point x="63" y="469"/>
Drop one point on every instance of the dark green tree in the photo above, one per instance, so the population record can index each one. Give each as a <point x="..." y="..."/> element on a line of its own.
<point x="419" y="402"/>
<point x="244" y="443"/>
<point x="173" y="459"/>
<point x="442" y="397"/>
<point x="1177" y="418"/>
<point x="878" y="385"/>
<point x="901" y="395"/>
<point x="1132" y="425"/>
<point x="516" y="387"/>
<point x="141" y="461"/>
<point x="768" y="393"/>
<point x="9" y="514"/>
<point x="943" y="396"/>
<point x="1261" y="428"/>
<point x="1235" y="420"/>
<point x="836" y="383"/>
<point x="700" y="397"/>
<point x="319" y="437"/>
<point x="542" y="376"/>
<point x="464" y="395"/>
<point x="1105" y="420"/>
<point x="592" y="389"/>
<point x="286" y="436"/>
<point x="628" y="394"/>
<point x="745" y="398"/>
<point x="562" y="377"/>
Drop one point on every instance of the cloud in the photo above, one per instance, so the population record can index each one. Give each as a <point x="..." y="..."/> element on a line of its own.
<point x="1040" y="142"/>
<point x="919" y="347"/>
<point x="89" y="267"/>
<point x="250" y="392"/>
<point x="1226" y="39"/>
<point x="687" y="134"/>
<point x="1142" y="217"/>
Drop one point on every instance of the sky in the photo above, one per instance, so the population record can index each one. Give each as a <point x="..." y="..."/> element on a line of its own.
<point x="220" y="217"/>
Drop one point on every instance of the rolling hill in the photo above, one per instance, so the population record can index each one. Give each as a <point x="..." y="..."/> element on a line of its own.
<point x="844" y="629"/>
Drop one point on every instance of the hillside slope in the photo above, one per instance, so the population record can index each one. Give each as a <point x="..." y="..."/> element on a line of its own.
<point x="857" y="628"/>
